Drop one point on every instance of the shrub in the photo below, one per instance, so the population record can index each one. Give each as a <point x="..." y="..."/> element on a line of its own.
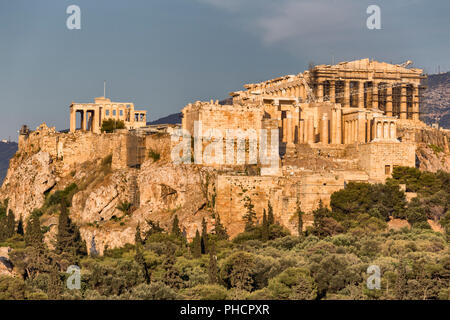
<point x="206" y="292"/>
<point x="110" y="125"/>
<point x="11" y="288"/>
<point x="293" y="284"/>
<point x="379" y="200"/>
<point x="154" y="155"/>
<point x="65" y="195"/>
<point x="153" y="291"/>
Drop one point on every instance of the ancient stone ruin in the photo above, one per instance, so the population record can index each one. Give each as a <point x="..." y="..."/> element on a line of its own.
<point x="354" y="121"/>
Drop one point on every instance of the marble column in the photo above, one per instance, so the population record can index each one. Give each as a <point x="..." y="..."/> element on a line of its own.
<point x="324" y="131"/>
<point x="361" y="130"/>
<point x="289" y="138"/>
<point x="361" y="94"/>
<point x="393" y="131"/>
<point x="379" y="130"/>
<point x="403" y="106"/>
<point x="375" y="95"/>
<point x="83" y="119"/>
<point x="73" y="119"/>
<point x="333" y="126"/>
<point x="389" y="100"/>
<point x="338" y="126"/>
<point x="320" y="92"/>
<point x="332" y="91"/>
<point x="346" y="94"/>
<point x="346" y="132"/>
<point x="416" y="102"/>
<point x="301" y="131"/>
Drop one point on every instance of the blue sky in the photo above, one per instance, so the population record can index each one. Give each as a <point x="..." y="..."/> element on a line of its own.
<point x="163" y="54"/>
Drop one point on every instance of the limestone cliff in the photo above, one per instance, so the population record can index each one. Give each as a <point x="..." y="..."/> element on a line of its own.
<point x="433" y="152"/>
<point x="48" y="161"/>
<point x="112" y="197"/>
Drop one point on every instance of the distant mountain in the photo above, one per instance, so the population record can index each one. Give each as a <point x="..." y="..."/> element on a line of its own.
<point x="7" y="151"/>
<point x="170" y="119"/>
<point x="436" y="100"/>
<point x="176" y="118"/>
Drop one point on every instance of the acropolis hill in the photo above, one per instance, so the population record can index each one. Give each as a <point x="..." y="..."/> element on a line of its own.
<point x="354" y="121"/>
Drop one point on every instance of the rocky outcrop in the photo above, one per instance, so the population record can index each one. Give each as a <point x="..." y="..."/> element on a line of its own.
<point x="432" y="160"/>
<point x="6" y="266"/>
<point x="164" y="190"/>
<point x="27" y="182"/>
<point x="433" y="151"/>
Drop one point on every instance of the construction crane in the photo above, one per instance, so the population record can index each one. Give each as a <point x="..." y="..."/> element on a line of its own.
<point x="405" y="64"/>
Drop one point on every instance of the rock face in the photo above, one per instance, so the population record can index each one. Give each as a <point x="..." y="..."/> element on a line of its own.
<point x="6" y="267"/>
<point x="433" y="151"/>
<point x="27" y="181"/>
<point x="112" y="198"/>
<point x="432" y="160"/>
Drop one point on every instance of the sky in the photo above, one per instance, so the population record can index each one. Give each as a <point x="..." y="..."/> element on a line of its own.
<point x="164" y="54"/>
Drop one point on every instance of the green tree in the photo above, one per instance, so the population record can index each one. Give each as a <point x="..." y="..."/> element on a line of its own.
<point x="323" y="224"/>
<point x="293" y="284"/>
<point x="33" y="232"/>
<point x="172" y="276"/>
<point x="54" y="286"/>
<point x="265" y="228"/>
<point x="204" y="237"/>
<point x="20" y="227"/>
<point x="250" y="215"/>
<point x="10" y="224"/>
<point x="299" y="213"/>
<point x="197" y="245"/>
<point x="212" y="267"/>
<point x="176" y="231"/>
<point x="139" y="256"/>
<point x="153" y="228"/>
<point x="219" y="229"/>
<point x="68" y="239"/>
<point x="125" y="207"/>
<point x="110" y="125"/>
<point x="237" y="271"/>
<point x="270" y="217"/>
<point x="137" y="237"/>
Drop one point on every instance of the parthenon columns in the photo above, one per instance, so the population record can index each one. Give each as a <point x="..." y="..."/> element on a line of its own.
<point x="346" y="94"/>
<point x="403" y="111"/>
<point x="375" y="95"/>
<point x="320" y="92"/>
<point x="389" y="101"/>
<point x="361" y="94"/>
<point x="332" y="91"/>
<point x="415" y="103"/>
<point x="361" y="128"/>
<point x="324" y="129"/>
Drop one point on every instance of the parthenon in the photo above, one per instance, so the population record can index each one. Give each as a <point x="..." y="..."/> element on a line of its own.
<point x="93" y="114"/>
<point x="358" y="102"/>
